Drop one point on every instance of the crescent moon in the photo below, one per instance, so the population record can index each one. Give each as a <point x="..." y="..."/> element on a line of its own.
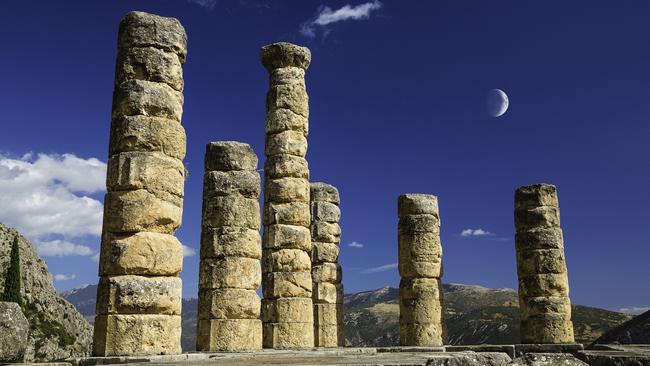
<point x="497" y="102"/>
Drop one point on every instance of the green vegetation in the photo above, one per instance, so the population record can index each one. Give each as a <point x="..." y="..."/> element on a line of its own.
<point x="12" y="280"/>
<point x="49" y="328"/>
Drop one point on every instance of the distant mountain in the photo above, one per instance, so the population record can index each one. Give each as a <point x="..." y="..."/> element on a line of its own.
<point x="633" y="331"/>
<point x="83" y="298"/>
<point x="473" y="315"/>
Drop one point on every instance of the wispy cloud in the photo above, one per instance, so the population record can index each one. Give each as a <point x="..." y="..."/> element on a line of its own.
<point x="188" y="251"/>
<point x="634" y="310"/>
<point x="385" y="267"/>
<point x="355" y="244"/>
<point x="475" y="232"/>
<point x="61" y="248"/>
<point x="64" y="277"/>
<point x="208" y="4"/>
<point x="326" y="16"/>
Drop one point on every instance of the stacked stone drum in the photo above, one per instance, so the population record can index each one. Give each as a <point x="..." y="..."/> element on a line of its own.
<point x="230" y="273"/>
<point x="420" y="266"/>
<point x="139" y="293"/>
<point x="544" y="304"/>
<point x="287" y="312"/>
<point x="326" y="271"/>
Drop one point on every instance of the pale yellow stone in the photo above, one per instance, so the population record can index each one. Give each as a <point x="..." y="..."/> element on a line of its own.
<point x="421" y="311"/>
<point x="328" y="314"/>
<point x="286" y="143"/>
<point x="324" y="252"/>
<point x="142" y="253"/>
<point x="283" y="54"/>
<point x="153" y="171"/>
<point x="420" y="269"/>
<point x="229" y="155"/>
<point x="230" y="272"/>
<point x="287" y="284"/>
<point x="149" y="134"/>
<point x="540" y="261"/>
<point x="421" y="335"/>
<point x="326" y="272"/>
<point x="420" y="288"/>
<point x="325" y="211"/>
<point x="535" y="196"/>
<point x="279" y="120"/>
<point x="132" y="294"/>
<point x="540" y="238"/>
<point x="231" y="211"/>
<point x="550" y="328"/>
<point x="288" y="310"/>
<point x="147" y="98"/>
<point x="327" y="336"/>
<point x="140" y="29"/>
<point x="538" y="217"/>
<point x="547" y="284"/>
<point x="230" y="241"/>
<point x="229" y="335"/>
<point x="288" y="335"/>
<point x="285" y="260"/>
<point x="327" y="232"/>
<point x="288" y="96"/>
<point x="419" y="246"/>
<point x="533" y="306"/>
<point x="288" y="189"/>
<point x="137" y="335"/>
<point x="150" y="64"/>
<point x="327" y="293"/>
<point x="415" y="203"/>
<point x="229" y="303"/>
<point x="324" y="192"/>
<point x="140" y="210"/>
<point x="287" y="237"/>
<point x="235" y="182"/>
<point x="418" y="223"/>
<point x="291" y="213"/>
<point x="287" y="75"/>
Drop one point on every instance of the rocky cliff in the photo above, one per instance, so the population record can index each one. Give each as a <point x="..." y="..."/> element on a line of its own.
<point x="56" y="329"/>
<point x="634" y="331"/>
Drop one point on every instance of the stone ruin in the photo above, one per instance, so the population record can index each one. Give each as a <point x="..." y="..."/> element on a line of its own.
<point x="139" y="293"/>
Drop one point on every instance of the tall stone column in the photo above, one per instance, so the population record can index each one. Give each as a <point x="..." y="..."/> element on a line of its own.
<point x="287" y="311"/>
<point x="420" y="266"/>
<point x="230" y="273"/>
<point x="544" y="305"/>
<point x="326" y="271"/>
<point x="139" y="293"/>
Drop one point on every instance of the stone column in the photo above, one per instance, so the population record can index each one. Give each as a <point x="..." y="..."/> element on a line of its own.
<point x="230" y="271"/>
<point x="544" y="305"/>
<point x="420" y="266"/>
<point x="287" y="311"/>
<point x="139" y="293"/>
<point x="326" y="271"/>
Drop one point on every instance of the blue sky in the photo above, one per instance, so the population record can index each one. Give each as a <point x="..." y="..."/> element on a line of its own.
<point x="397" y="95"/>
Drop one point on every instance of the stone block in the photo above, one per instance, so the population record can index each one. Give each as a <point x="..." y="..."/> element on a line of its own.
<point x="547" y="328"/>
<point x="287" y="284"/>
<point x="283" y="54"/>
<point x="327" y="336"/>
<point x="326" y="272"/>
<point x="540" y="261"/>
<point x="147" y="98"/>
<point x="140" y="210"/>
<point x="15" y="332"/>
<point x="289" y="96"/>
<point x="547" y="284"/>
<point x="288" y="310"/>
<point x="291" y="213"/>
<point x="286" y="143"/>
<point x="548" y="359"/>
<point x="327" y="293"/>
<point x="229" y="303"/>
<point x="325" y="211"/>
<point x="324" y="252"/>
<point x="552" y="348"/>
<point x="229" y="155"/>
<point x="419" y="246"/>
<point x="539" y="238"/>
<point x="229" y="241"/>
<point x="132" y="294"/>
<point x="287" y="237"/>
<point x="147" y="134"/>
<point x="538" y="217"/>
<point x="416" y="204"/>
<point x="279" y="120"/>
<point x="420" y="311"/>
<point x="142" y="253"/>
<point x="324" y="192"/>
<point x="328" y="314"/>
<point x="234" y="182"/>
<point x="287" y="75"/>
<point x="418" y="223"/>
<point x="230" y="272"/>
<point x="231" y="211"/>
<point x="284" y="190"/>
<point x="327" y="232"/>
<point x="420" y="288"/>
<point x="155" y="172"/>
<point x="533" y="306"/>
<point x="285" y="260"/>
<point x="420" y="269"/>
<point x="139" y="29"/>
<point x="536" y="195"/>
<point x="229" y="335"/>
<point x="150" y="64"/>
<point x="288" y="335"/>
<point x="421" y="335"/>
<point x="137" y="335"/>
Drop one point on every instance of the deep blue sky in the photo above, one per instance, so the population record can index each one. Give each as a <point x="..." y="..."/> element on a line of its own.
<point x="397" y="106"/>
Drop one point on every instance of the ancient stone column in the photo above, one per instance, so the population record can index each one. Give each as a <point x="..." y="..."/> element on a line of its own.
<point x="544" y="304"/>
<point x="230" y="273"/>
<point x="326" y="271"/>
<point x="287" y="311"/>
<point x="420" y="266"/>
<point x="139" y="293"/>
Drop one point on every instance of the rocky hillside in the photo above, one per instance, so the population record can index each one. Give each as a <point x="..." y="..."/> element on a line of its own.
<point x="634" y="331"/>
<point x="57" y="329"/>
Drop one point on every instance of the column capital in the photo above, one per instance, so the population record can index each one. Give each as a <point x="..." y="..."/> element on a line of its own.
<point x="283" y="54"/>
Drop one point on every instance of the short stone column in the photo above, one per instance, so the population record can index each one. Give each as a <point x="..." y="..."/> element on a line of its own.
<point x="420" y="266"/>
<point x="326" y="271"/>
<point x="544" y="305"/>
<point x="139" y="293"/>
<point x="230" y="271"/>
<point x="287" y="311"/>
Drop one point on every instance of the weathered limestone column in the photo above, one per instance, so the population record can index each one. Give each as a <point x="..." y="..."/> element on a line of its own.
<point x="326" y="271"/>
<point x="544" y="304"/>
<point x="420" y="266"/>
<point x="287" y="311"/>
<point x="139" y="293"/>
<point x="230" y="273"/>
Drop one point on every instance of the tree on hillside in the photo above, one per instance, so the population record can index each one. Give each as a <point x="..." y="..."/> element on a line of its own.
<point x="12" y="280"/>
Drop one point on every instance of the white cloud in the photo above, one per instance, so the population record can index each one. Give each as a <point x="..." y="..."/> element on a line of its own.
<point x="61" y="248"/>
<point x="47" y="194"/>
<point x="475" y="232"/>
<point x="188" y="251"/>
<point x="355" y="244"/>
<point x="208" y="4"/>
<point x="64" y="277"/>
<point x="634" y="310"/>
<point x="385" y="267"/>
<point x="326" y="16"/>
